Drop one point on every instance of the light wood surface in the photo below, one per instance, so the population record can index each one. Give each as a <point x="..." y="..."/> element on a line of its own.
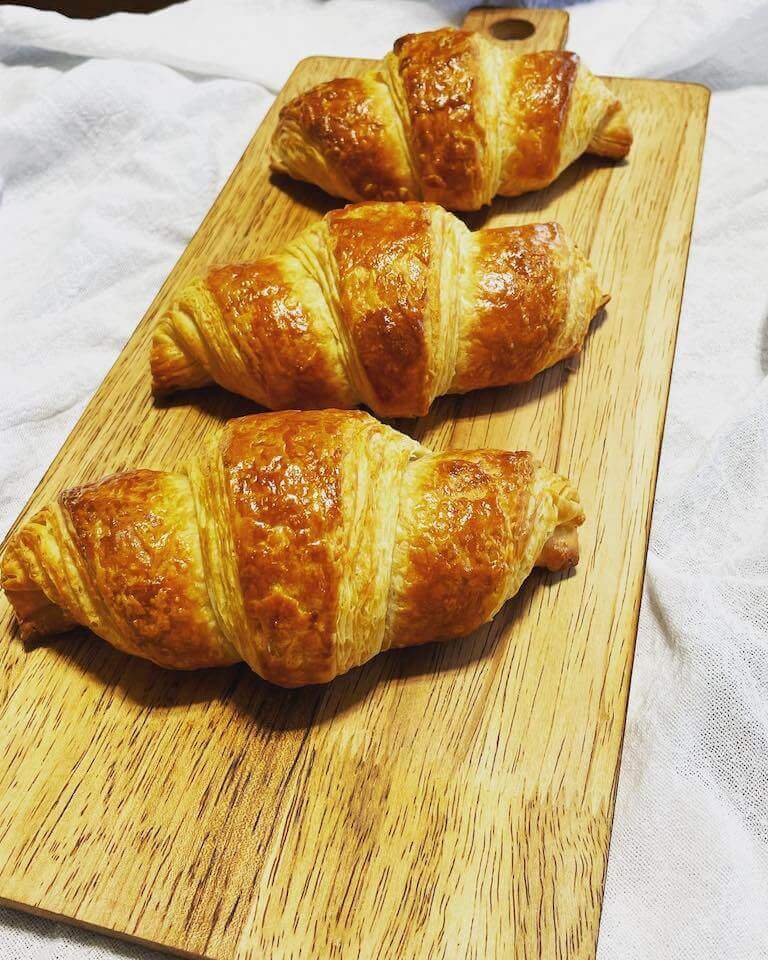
<point x="530" y="29"/>
<point x="448" y="801"/>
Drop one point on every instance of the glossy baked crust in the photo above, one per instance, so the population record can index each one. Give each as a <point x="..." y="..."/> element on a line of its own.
<point x="453" y="117"/>
<point x="385" y="304"/>
<point x="445" y="89"/>
<point x="301" y="542"/>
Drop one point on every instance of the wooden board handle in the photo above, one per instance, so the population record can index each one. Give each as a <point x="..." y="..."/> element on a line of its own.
<point x="528" y="29"/>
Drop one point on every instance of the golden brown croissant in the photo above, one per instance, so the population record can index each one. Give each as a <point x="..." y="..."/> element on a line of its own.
<point x="302" y="543"/>
<point x="449" y="116"/>
<point x="386" y="304"/>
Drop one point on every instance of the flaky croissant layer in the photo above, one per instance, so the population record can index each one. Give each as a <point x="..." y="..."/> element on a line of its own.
<point x="384" y="304"/>
<point x="450" y="116"/>
<point x="302" y="543"/>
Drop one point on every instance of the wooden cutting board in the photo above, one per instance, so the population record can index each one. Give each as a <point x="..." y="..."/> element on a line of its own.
<point x="448" y="801"/>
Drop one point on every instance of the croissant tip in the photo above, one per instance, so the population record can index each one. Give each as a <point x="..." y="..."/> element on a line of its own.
<point x="561" y="551"/>
<point x="157" y="360"/>
<point x="172" y="368"/>
<point x="614" y="138"/>
<point x="276" y="162"/>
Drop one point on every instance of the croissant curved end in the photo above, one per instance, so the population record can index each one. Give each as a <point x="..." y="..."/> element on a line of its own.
<point x="37" y="615"/>
<point x="561" y="551"/>
<point x="166" y="362"/>
<point x="614" y="137"/>
<point x="173" y="363"/>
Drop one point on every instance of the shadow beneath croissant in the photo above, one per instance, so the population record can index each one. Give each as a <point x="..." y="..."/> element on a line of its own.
<point x="481" y="404"/>
<point x="275" y="709"/>
<point x="305" y="195"/>
<point x="449" y="411"/>
<point x="215" y="401"/>
<point x="536" y="204"/>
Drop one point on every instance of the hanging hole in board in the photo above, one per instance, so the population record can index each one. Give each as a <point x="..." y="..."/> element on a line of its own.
<point x="512" y="29"/>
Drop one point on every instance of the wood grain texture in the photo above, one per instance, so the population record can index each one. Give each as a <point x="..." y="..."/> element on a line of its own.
<point x="448" y="801"/>
<point x="550" y="27"/>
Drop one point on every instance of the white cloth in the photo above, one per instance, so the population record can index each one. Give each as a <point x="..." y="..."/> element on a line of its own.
<point x="115" y="136"/>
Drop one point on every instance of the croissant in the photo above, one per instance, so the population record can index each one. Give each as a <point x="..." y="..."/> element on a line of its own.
<point x="385" y="304"/>
<point x="449" y="116"/>
<point x="303" y="543"/>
